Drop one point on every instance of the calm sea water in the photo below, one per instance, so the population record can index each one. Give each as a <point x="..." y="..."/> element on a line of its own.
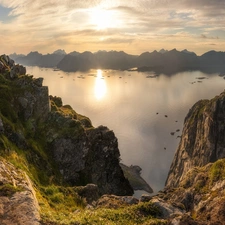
<point x="141" y="111"/>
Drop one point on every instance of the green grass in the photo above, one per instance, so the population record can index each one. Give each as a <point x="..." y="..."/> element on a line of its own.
<point x="217" y="171"/>
<point x="8" y="190"/>
<point x="143" y="213"/>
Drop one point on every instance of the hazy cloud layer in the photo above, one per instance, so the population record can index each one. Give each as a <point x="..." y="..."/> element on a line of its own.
<point x="128" y="25"/>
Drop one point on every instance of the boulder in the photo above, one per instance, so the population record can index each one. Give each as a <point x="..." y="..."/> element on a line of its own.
<point x="114" y="201"/>
<point x="38" y="81"/>
<point x="90" y="192"/>
<point x="133" y="174"/>
<point x="23" y="102"/>
<point x="145" y="198"/>
<point x="17" y="70"/>
<point x="7" y="64"/>
<point x="18" y="203"/>
<point x="167" y="210"/>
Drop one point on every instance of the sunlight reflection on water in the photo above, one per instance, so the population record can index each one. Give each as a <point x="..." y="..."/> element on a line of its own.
<point x="100" y="86"/>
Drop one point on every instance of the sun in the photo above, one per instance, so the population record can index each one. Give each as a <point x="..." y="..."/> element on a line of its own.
<point x="102" y="18"/>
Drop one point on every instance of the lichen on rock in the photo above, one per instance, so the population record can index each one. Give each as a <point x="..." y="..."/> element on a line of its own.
<point x="202" y="139"/>
<point x="18" y="203"/>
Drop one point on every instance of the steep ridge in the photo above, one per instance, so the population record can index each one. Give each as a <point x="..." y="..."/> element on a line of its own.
<point x="202" y="139"/>
<point x="37" y="59"/>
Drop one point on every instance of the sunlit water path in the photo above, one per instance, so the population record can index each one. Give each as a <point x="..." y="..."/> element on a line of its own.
<point x="141" y="111"/>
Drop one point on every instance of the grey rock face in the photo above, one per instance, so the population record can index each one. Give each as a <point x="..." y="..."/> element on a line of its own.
<point x="17" y="70"/>
<point x="7" y="64"/>
<point x="114" y="201"/>
<point x="145" y="198"/>
<point x="90" y="192"/>
<point x="69" y="153"/>
<point x="23" y="102"/>
<point x="90" y="157"/>
<point x="2" y="67"/>
<point x="102" y="163"/>
<point x="39" y="81"/>
<point x="21" y="206"/>
<point x="133" y="174"/>
<point x="203" y="138"/>
<point x="33" y="98"/>
<point x="167" y="209"/>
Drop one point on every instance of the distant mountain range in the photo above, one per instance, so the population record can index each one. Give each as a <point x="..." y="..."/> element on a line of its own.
<point x="163" y="61"/>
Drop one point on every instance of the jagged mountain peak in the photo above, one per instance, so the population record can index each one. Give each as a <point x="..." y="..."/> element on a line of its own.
<point x="188" y="52"/>
<point x="162" y="51"/>
<point x="59" y="52"/>
<point x="74" y="53"/>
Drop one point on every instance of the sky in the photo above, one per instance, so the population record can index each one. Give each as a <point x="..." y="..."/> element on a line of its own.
<point x="133" y="26"/>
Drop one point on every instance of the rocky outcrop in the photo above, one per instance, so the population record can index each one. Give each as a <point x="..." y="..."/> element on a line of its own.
<point x="102" y="163"/>
<point x="90" y="193"/>
<point x="85" y="154"/>
<point x="114" y="202"/>
<point x="202" y="139"/>
<point x="30" y="98"/>
<point x="133" y="174"/>
<point x="7" y="64"/>
<point x="18" y="203"/>
<point x="199" y="198"/>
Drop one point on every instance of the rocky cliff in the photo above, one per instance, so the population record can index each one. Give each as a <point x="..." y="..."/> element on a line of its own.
<point x="203" y="138"/>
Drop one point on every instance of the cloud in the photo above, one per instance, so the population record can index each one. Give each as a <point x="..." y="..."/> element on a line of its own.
<point x="70" y="22"/>
<point x="117" y="40"/>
